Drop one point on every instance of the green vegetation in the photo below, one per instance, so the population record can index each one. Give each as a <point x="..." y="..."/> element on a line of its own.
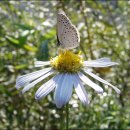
<point x="28" y="32"/>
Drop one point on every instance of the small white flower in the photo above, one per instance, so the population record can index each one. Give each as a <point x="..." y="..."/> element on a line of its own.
<point x="69" y="70"/>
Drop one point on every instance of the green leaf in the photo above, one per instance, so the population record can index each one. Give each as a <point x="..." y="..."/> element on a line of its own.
<point x="43" y="52"/>
<point x="12" y="40"/>
<point x="18" y="67"/>
<point x="23" y="37"/>
<point x="30" y="48"/>
<point x="23" y="26"/>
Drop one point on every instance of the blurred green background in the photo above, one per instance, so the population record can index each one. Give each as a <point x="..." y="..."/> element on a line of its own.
<point x="28" y="32"/>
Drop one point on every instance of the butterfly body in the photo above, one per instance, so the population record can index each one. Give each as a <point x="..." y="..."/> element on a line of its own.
<point x="67" y="34"/>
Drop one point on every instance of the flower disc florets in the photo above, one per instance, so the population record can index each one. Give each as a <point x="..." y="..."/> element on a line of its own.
<point x="67" y="61"/>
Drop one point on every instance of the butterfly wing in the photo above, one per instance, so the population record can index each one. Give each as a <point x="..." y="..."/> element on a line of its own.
<point x="70" y="37"/>
<point x="62" y="22"/>
<point x="67" y="33"/>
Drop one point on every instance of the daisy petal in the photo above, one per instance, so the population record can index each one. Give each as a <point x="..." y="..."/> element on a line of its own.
<point x="80" y="90"/>
<point x="102" y="62"/>
<point x="104" y="59"/>
<point x="25" y="79"/>
<point x="27" y="87"/>
<point x="102" y="80"/>
<point x="90" y="83"/>
<point x="46" y="88"/>
<point x="41" y="63"/>
<point x="63" y="90"/>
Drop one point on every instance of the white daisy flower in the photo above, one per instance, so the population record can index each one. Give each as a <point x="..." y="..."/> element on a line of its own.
<point x="70" y="72"/>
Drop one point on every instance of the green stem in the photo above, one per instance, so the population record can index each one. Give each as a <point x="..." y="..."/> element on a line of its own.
<point x="67" y="116"/>
<point x="83" y="6"/>
<point x="61" y="120"/>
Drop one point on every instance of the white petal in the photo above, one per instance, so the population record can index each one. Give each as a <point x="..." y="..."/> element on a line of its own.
<point x="102" y="62"/>
<point x="46" y="88"/>
<point x="24" y="79"/>
<point x="104" y="59"/>
<point x="102" y="80"/>
<point x="41" y="63"/>
<point x="90" y="83"/>
<point x="27" y="87"/>
<point x="63" y="91"/>
<point x="80" y="90"/>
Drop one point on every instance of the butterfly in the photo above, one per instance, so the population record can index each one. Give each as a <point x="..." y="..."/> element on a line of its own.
<point x="67" y="34"/>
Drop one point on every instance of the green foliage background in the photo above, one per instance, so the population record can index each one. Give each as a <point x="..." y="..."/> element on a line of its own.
<point x="28" y="32"/>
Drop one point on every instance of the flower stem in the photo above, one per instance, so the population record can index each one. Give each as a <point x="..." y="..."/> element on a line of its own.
<point x="61" y="120"/>
<point x="67" y="116"/>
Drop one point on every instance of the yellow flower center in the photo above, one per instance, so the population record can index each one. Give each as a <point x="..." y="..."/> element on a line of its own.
<point x="67" y="61"/>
